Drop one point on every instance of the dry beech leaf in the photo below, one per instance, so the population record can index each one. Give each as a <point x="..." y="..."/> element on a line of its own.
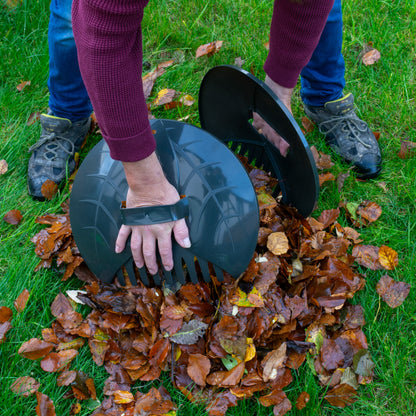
<point x="35" y="116"/>
<point x="35" y="348"/>
<point x="5" y="314"/>
<point x="302" y="400"/>
<point x="278" y="243"/>
<point x="190" y="332"/>
<point x="307" y="124"/>
<point x="123" y="397"/>
<point x="209" y="48"/>
<point x="325" y="177"/>
<point x="45" y="405"/>
<point x="371" y="57"/>
<point x="341" y="395"/>
<point x="22" y="85"/>
<point x="322" y="160"/>
<point x="392" y="292"/>
<point x="369" y="211"/>
<point x="407" y="149"/>
<point x="25" y="386"/>
<point x="4" y="328"/>
<point x="164" y="96"/>
<point x="388" y="257"/>
<point x="367" y="256"/>
<point x="4" y="167"/>
<point x="49" y="189"/>
<point x="20" y="302"/>
<point x="198" y="368"/>
<point x="13" y="217"/>
<point x="273" y="361"/>
<point x="150" y="78"/>
<point x="282" y="408"/>
<point x="57" y="361"/>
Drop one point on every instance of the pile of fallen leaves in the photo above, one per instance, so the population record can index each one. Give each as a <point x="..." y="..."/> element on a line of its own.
<point x="224" y="341"/>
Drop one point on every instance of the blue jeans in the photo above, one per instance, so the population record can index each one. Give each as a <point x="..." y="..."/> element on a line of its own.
<point x="68" y="97"/>
<point x="322" y="79"/>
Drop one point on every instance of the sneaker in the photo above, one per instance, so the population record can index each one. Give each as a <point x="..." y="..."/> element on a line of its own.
<point x="348" y="135"/>
<point x="53" y="155"/>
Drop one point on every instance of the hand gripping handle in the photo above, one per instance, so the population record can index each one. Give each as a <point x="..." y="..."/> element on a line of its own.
<point x="155" y="214"/>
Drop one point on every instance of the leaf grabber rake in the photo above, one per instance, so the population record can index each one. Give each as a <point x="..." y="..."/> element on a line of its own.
<point x="220" y="207"/>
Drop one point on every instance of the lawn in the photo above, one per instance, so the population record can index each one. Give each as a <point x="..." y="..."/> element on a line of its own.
<point x="385" y="95"/>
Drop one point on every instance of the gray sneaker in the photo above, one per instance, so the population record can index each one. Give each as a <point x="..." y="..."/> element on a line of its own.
<point x="53" y="155"/>
<point x="348" y="135"/>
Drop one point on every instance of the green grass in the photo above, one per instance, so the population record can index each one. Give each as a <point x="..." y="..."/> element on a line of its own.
<point x="385" y="95"/>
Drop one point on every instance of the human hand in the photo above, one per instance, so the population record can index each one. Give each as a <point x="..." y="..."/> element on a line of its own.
<point x="285" y="95"/>
<point x="148" y="187"/>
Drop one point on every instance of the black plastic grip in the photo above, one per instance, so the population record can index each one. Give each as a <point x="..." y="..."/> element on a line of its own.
<point x="155" y="214"/>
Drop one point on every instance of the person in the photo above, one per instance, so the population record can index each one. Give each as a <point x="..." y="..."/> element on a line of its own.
<point x="108" y="38"/>
<point x="67" y="122"/>
<point x="322" y="88"/>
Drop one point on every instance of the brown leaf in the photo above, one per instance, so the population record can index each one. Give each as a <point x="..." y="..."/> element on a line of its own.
<point x="164" y="96"/>
<point x="328" y="217"/>
<point x="407" y="149"/>
<point x="341" y="180"/>
<point x="153" y="403"/>
<point x="273" y="361"/>
<point x="369" y="211"/>
<point x="57" y="361"/>
<point x="123" y="397"/>
<point x="332" y="356"/>
<point x="388" y="257"/>
<point x="371" y="57"/>
<point x="5" y="314"/>
<point x="61" y="305"/>
<point x="198" y="368"/>
<point x="35" y="116"/>
<point x="20" y="302"/>
<point x="66" y="378"/>
<point x="302" y="400"/>
<point x="322" y="160"/>
<point x="4" y="328"/>
<point x="150" y="78"/>
<point x="35" y="348"/>
<point x="325" y="177"/>
<point x="45" y="405"/>
<point x="276" y="396"/>
<point x="49" y="189"/>
<point x="209" y="48"/>
<point x="307" y="125"/>
<point x="228" y="378"/>
<point x="25" y="386"/>
<point x="367" y="256"/>
<point x="4" y="167"/>
<point x="159" y="352"/>
<point x="278" y="243"/>
<point x="282" y="408"/>
<point x="13" y="217"/>
<point x="392" y="292"/>
<point x="341" y="395"/>
<point x="22" y="85"/>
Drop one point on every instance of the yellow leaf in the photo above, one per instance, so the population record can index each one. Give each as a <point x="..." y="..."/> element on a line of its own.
<point x="247" y="300"/>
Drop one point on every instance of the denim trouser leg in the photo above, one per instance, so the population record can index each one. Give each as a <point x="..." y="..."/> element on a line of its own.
<point x="67" y="95"/>
<point x="323" y="79"/>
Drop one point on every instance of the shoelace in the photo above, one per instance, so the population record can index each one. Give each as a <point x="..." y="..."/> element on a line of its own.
<point x="353" y="124"/>
<point x="53" y="139"/>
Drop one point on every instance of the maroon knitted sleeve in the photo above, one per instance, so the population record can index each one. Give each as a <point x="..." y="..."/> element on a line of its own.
<point x="109" y="45"/>
<point x="295" y="31"/>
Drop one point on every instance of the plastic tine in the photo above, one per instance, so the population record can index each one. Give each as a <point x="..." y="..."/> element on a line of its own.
<point x="143" y="276"/>
<point x="219" y="273"/>
<point x="156" y="279"/>
<point x="178" y="266"/>
<point x="120" y="277"/>
<point x="168" y="277"/>
<point x="203" y="264"/>
<point x="130" y="272"/>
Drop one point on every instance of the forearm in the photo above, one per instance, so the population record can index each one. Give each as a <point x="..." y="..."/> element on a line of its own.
<point x="109" y="44"/>
<point x="295" y="31"/>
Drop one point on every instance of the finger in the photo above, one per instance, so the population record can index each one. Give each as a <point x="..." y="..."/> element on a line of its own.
<point x="136" y="243"/>
<point x="164" y="243"/>
<point x="122" y="237"/>
<point x="181" y="233"/>
<point x="149" y="250"/>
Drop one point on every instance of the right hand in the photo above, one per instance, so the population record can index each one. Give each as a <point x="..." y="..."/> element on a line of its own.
<point x="147" y="187"/>
<point x="285" y="95"/>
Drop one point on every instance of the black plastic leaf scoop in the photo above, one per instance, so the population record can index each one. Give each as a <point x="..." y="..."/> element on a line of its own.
<point x="220" y="207"/>
<point x="227" y="99"/>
